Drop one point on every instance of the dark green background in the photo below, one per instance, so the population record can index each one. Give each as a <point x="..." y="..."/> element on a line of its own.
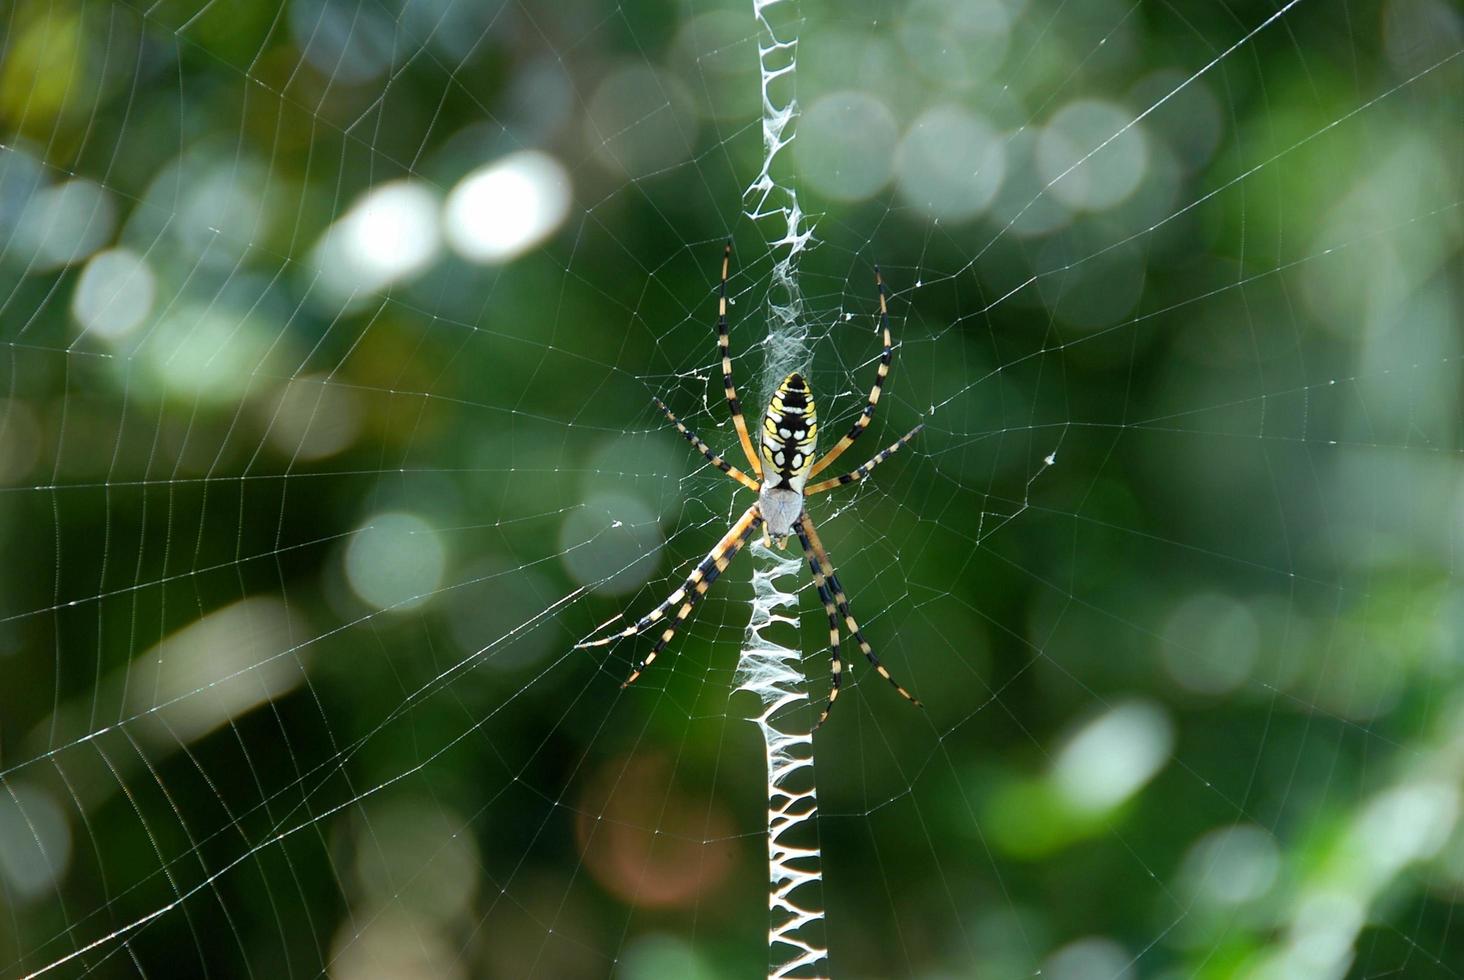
<point x="1257" y="470"/>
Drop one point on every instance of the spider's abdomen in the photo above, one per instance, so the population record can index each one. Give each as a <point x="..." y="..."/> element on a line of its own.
<point x="789" y="431"/>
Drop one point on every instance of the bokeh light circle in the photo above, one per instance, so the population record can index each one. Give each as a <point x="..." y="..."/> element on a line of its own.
<point x="505" y="208"/>
<point x="21" y="178"/>
<point x="1113" y="755"/>
<point x="65" y="224"/>
<point x="1079" y="174"/>
<point x="395" y="561"/>
<point x="389" y="234"/>
<point x="950" y="163"/>
<point x="344" y="41"/>
<point x="712" y="53"/>
<point x="1210" y="643"/>
<point x="845" y="145"/>
<point x="1232" y="865"/>
<point x="955" y="43"/>
<point x="1088" y="958"/>
<point x="313" y="419"/>
<point x="115" y="293"/>
<point x="206" y="353"/>
<point x="416" y="856"/>
<point x="1023" y="204"/>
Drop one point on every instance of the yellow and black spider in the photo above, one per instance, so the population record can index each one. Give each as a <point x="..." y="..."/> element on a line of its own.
<point x="789" y="431"/>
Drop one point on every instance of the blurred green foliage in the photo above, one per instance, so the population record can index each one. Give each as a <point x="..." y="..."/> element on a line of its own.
<point x="303" y="505"/>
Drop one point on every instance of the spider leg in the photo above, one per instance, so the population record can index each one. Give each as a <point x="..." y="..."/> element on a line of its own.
<point x="691" y="590"/>
<point x="715" y="564"/>
<point x="706" y="450"/>
<point x="734" y="404"/>
<point x="805" y="527"/>
<point x="836" y="666"/>
<point x="862" y="422"/>
<point x="855" y="476"/>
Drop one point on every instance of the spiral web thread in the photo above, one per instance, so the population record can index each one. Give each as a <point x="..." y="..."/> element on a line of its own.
<point x="767" y="667"/>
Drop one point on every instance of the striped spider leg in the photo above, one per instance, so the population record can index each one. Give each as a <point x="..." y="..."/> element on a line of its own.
<point x="865" y="417"/>
<point x="826" y="580"/>
<point x="779" y="477"/>
<point x="724" y="341"/>
<point x="690" y="593"/>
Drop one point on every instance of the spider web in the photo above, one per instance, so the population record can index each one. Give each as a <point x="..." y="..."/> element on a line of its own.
<point x="331" y="335"/>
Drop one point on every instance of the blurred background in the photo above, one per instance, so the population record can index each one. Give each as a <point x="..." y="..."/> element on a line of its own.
<point x="328" y="335"/>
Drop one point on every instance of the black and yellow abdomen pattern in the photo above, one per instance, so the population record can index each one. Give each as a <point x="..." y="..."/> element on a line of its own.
<point x="789" y="431"/>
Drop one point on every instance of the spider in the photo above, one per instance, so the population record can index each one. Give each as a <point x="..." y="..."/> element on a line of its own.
<point x="789" y="431"/>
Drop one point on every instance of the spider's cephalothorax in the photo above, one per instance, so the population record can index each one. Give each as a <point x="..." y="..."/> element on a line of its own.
<point x="789" y="432"/>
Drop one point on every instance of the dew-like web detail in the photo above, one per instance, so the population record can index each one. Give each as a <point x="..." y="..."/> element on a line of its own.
<point x="331" y="335"/>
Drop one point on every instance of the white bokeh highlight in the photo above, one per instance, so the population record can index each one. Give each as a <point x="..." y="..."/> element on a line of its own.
<point x="115" y="294"/>
<point x="1113" y="756"/>
<point x="395" y="561"/>
<point x="216" y="669"/>
<point x="1232" y="866"/>
<point x="208" y="353"/>
<point x="503" y="209"/>
<point x="390" y="234"/>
